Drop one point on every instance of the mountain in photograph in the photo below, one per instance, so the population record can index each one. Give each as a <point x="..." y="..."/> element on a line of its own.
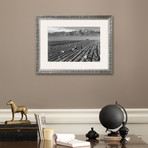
<point x="80" y="32"/>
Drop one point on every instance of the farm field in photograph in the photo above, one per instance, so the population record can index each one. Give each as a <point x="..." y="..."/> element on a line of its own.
<point x="74" y="51"/>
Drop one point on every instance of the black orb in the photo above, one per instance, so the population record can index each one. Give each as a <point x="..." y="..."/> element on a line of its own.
<point x="111" y="116"/>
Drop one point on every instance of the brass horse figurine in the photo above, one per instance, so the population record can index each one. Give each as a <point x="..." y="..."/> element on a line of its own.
<point x="18" y="109"/>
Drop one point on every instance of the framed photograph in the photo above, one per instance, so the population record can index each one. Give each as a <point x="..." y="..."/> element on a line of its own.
<point x="74" y="44"/>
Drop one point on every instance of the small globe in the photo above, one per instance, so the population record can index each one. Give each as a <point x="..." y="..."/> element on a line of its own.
<point x="111" y="116"/>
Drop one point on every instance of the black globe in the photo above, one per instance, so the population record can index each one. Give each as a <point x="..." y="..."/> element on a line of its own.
<point x="111" y="116"/>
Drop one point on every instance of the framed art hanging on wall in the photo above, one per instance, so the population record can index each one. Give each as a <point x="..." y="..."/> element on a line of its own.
<point x="74" y="44"/>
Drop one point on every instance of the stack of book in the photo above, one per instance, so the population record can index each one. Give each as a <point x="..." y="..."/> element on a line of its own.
<point x="16" y="132"/>
<point x="113" y="138"/>
<point x="41" y="122"/>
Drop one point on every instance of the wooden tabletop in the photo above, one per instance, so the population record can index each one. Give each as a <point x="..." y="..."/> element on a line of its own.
<point x="134" y="142"/>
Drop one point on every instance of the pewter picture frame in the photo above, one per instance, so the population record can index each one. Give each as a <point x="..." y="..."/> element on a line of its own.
<point x="74" y="44"/>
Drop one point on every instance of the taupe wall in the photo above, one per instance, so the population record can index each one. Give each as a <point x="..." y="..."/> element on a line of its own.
<point x="18" y="80"/>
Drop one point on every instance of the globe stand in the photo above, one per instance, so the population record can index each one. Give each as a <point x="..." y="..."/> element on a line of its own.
<point x="114" y="134"/>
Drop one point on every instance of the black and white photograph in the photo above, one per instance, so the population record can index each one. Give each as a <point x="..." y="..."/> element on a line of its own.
<point x="74" y="44"/>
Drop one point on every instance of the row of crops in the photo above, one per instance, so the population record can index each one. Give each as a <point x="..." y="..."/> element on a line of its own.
<point x="78" y="51"/>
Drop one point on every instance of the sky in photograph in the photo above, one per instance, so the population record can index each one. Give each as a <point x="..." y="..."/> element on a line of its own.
<point x="69" y="29"/>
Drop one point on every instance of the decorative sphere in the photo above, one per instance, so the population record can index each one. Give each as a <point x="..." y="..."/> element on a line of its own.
<point x="111" y="116"/>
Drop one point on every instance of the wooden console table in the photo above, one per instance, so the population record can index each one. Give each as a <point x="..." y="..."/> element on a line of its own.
<point x="134" y="142"/>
